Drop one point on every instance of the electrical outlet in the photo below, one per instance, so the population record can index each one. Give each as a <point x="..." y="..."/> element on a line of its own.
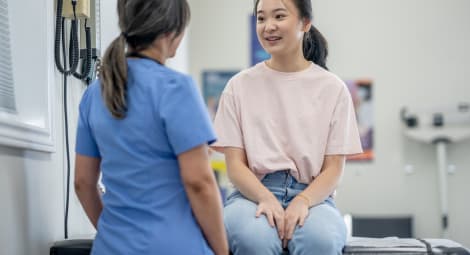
<point x="82" y="9"/>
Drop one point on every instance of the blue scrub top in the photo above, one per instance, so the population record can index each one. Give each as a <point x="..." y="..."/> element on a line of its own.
<point x="146" y="209"/>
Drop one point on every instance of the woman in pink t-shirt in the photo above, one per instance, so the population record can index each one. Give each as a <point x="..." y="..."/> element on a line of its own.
<point x="285" y="126"/>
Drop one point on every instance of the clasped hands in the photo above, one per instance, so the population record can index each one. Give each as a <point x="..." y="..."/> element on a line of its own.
<point x="285" y="220"/>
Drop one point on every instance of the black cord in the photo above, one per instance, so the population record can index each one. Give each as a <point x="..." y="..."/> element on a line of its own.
<point x="87" y="65"/>
<point x="74" y="6"/>
<point x="428" y="246"/>
<point x="59" y="35"/>
<point x="67" y="194"/>
<point x="73" y="63"/>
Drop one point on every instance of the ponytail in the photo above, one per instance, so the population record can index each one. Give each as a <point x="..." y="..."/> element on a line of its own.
<point x="315" y="47"/>
<point x="113" y="77"/>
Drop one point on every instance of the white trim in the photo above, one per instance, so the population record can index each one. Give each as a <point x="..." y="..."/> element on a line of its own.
<point x="16" y="133"/>
<point x="20" y="135"/>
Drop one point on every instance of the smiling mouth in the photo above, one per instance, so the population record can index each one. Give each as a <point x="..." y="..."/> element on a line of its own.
<point x="272" y="38"/>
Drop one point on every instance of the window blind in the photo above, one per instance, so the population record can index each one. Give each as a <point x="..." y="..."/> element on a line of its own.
<point x="7" y="95"/>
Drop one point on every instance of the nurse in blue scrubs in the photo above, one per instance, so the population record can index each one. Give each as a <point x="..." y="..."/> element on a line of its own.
<point x="145" y="128"/>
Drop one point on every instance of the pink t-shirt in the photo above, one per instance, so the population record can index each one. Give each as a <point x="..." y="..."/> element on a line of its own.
<point x="287" y="120"/>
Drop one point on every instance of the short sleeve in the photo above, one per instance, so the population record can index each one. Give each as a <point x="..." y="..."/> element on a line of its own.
<point x="185" y="117"/>
<point x="85" y="141"/>
<point x="227" y="122"/>
<point x="343" y="137"/>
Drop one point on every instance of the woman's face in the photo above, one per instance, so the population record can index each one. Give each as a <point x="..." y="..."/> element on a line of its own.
<point x="280" y="30"/>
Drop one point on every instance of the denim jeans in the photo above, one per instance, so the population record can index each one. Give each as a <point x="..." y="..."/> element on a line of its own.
<point x="323" y="233"/>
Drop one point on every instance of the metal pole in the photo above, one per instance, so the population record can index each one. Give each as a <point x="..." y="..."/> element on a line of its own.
<point x="442" y="175"/>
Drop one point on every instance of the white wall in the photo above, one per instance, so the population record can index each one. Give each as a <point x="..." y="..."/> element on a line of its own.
<point x="417" y="54"/>
<point x="218" y="37"/>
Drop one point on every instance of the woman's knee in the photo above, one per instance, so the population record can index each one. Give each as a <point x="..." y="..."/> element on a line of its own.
<point x="324" y="232"/>
<point x="255" y="240"/>
<point x="316" y="244"/>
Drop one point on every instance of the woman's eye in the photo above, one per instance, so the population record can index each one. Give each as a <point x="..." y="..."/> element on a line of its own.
<point x="280" y="16"/>
<point x="260" y="19"/>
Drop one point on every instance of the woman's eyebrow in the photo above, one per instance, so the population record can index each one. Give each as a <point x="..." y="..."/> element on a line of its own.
<point x="275" y="10"/>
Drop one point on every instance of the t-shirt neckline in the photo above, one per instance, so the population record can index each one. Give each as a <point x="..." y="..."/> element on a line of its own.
<point x="286" y="74"/>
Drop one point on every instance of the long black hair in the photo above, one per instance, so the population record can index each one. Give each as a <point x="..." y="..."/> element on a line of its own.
<point x="315" y="46"/>
<point x="141" y="22"/>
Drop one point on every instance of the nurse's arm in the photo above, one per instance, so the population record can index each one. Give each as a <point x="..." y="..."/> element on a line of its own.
<point x="87" y="171"/>
<point x="204" y="195"/>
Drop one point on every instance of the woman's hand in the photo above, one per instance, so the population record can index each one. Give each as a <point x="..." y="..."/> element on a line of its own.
<point x="274" y="212"/>
<point x="295" y="214"/>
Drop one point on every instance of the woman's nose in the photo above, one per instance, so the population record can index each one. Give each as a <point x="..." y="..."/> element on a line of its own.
<point x="270" y="26"/>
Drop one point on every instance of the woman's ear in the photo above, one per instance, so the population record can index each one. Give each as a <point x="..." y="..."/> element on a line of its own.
<point x="307" y="24"/>
<point x="165" y="39"/>
<point x="171" y="35"/>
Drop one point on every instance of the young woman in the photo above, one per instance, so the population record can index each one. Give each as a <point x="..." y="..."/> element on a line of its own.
<point x="285" y="126"/>
<point x="146" y="128"/>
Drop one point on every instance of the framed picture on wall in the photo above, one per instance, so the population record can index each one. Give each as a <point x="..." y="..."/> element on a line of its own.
<point x="361" y="93"/>
<point x="213" y="84"/>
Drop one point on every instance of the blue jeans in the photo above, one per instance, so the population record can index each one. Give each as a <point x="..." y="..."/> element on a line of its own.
<point x="323" y="233"/>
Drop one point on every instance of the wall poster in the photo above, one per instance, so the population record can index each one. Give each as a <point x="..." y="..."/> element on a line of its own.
<point x="361" y="93"/>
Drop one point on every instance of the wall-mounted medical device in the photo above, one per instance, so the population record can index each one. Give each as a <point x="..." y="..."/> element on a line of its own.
<point x="439" y="126"/>
<point x="82" y="9"/>
<point x="80" y="55"/>
<point x="439" y="116"/>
